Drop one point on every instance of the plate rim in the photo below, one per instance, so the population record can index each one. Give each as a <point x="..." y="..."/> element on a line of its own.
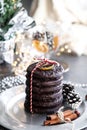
<point x="66" y="69"/>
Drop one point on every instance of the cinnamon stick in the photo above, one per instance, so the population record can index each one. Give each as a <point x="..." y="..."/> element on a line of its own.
<point x="56" y="120"/>
<point x="55" y="116"/>
<point x="71" y="117"/>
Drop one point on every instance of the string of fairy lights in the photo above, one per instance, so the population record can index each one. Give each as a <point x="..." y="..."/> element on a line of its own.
<point x="21" y="63"/>
<point x="64" y="49"/>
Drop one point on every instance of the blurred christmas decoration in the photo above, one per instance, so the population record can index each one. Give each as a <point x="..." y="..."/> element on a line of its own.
<point x="8" y="8"/>
<point x="45" y="41"/>
<point x="66" y="49"/>
<point x="39" y="42"/>
<point x="13" y="19"/>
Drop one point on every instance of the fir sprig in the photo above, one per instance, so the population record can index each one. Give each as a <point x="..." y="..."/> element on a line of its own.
<point x="7" y="11"/>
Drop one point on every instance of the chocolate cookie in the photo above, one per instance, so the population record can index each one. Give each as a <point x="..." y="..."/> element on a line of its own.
<point x="46" y="83"/>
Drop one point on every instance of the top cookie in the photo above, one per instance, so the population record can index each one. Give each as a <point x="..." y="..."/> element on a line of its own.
<point x="53" y="72"/>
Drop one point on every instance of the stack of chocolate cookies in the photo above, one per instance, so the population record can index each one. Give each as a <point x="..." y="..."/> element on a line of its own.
<point x="46" y="82"/>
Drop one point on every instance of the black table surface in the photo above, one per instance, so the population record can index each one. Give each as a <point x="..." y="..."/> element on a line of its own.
<point x="77" y="70"/>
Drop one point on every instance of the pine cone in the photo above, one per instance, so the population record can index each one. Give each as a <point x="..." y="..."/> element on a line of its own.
<point x="70" y="96"/>
<point x="67" y="88"/>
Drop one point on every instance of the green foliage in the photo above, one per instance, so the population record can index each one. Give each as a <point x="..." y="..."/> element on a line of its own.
<point x="7" y="11"/>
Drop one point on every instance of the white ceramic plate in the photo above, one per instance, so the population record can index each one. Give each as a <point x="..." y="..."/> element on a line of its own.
<point x="13" y="116"/>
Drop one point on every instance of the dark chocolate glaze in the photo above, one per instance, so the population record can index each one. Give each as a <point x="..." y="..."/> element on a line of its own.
<point x="47" y="74"/>
<point x="46" y="89"/>
<point x="41" y="109"/>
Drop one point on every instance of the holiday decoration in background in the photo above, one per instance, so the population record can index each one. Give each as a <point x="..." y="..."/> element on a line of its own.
<point x="13" y="19"/>
<point x="8" y="8"/>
